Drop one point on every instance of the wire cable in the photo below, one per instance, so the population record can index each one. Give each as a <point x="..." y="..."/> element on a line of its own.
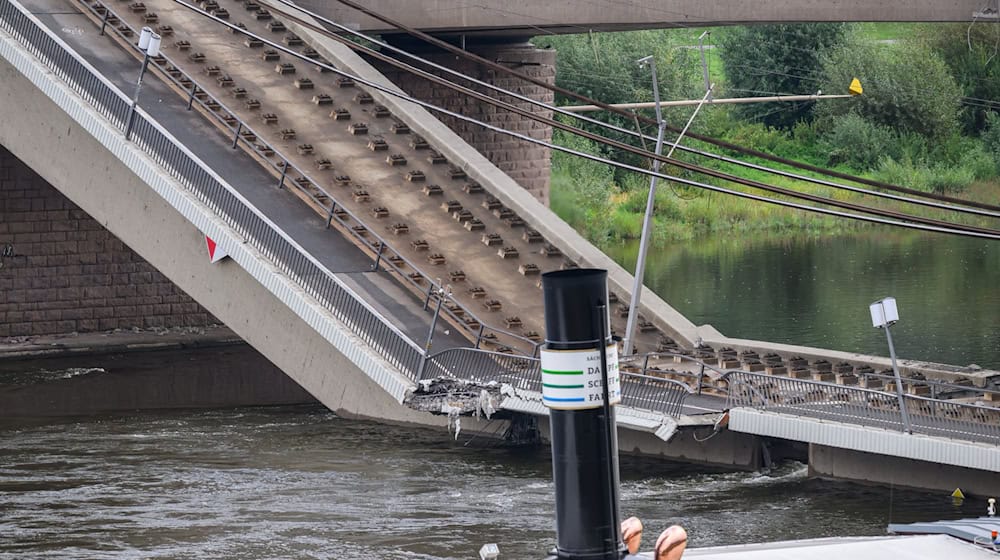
<point x="950" y="229"/>
<point x="629" y="148"/>
<point x="631" y="114"/>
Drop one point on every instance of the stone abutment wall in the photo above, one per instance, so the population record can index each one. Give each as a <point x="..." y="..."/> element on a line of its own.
<point x="61" y="271"/>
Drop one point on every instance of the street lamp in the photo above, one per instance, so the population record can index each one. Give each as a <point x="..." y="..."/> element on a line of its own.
<point x="149" y="44"/>
<point x="884" y="313"/>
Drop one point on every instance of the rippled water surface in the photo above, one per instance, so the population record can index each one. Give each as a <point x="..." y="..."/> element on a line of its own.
<point x="291" y="483"/>
<point x="815" y="291"/>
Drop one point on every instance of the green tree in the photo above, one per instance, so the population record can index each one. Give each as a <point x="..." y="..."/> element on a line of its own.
<point x="770" y="59"/>
<point x="974" y="61"/>
<point x="603" y="66"/>
<point x="908" y="88"/>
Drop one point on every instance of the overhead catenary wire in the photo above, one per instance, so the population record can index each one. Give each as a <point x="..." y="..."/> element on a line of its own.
<point x="948" y="228"/>
<point x="673" y="145"/>
<point x="626" y="147"/>
<point x="632" y="115"/>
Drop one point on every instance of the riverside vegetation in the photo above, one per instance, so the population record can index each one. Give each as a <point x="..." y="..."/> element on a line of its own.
<point x="928" y="120"/>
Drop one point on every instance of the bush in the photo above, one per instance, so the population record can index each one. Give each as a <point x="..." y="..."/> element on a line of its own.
<point x="942" y="178"/>
<point x="991" y="138"/>
<point x="859" y="143"/>
<point x="970" y="52"/>
<point x="766" y="59"/>
<point x="908" y="88"/>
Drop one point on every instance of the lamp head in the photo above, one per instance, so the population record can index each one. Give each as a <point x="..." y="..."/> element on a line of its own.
<point x="144" y="36"/>
<point x="884" y="312"/>
<point x="644" y="61"/>
<point x="154" y="45"/>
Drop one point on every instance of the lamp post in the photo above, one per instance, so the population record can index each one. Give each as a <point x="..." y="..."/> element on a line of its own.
<point x="884" y="313"/>
<point x="149" y="44"/>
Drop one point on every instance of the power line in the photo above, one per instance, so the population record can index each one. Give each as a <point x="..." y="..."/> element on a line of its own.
<point x="620" y="145"/>
<point x="944" y="227"/>
<point x="632" y="115"/>
<point x="606" y="125"/>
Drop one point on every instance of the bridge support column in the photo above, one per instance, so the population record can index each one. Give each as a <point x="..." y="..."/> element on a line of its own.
<point x="526" y="163"/>
<point x="859" y="466"/>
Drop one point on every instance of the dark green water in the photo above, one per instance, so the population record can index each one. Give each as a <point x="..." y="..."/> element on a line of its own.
<point x="815" y="292"/>
<point x="299" y="483"/>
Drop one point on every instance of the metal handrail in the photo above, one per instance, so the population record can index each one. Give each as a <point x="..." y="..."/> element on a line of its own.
<point x="705" y="368"/>
<point x="198" y="179"/>
<point x="934" y="384"/>
<point x="638" y="391"/>
<point x="867" y="407"/>
<point x="284" y="165"/>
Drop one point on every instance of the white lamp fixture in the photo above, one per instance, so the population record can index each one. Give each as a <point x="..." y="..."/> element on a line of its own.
<point x="144" y="35"/>
<point x="884" y="312"/>
<point x="153" y="48"/>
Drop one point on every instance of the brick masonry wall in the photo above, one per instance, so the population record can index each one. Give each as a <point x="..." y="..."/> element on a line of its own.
<point x="62" y="272"/>
<point x="528" y="164"/>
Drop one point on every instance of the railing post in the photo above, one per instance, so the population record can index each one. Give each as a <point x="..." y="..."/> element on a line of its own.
<point x="701" y="377"/>
<point x="236" y="137"/>
<point x="194" y="91"/>
<point x="284" y="172"/>
<point x="479" y="338"/>
<point x="104" y="20"/>
<point x="423" y="367"/>
<point x="427" y="300"/>
<point x="329" y="215"/>
<point x="378" y="256"/>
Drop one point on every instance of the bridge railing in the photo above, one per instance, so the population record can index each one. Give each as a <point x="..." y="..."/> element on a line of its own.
<point x="865" y="407"/>
<point x="698" y="373"/>
<point x="195" y="176"/>
<point x="521" y="372"/>
<point x="292" y="176"/>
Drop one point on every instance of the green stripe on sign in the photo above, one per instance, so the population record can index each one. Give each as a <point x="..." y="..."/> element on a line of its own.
<point x="551" y="386"/>
<point x="556" y="372"/>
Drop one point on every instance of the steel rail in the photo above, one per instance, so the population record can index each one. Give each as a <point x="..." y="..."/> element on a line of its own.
<point x="195" y="177"/>
<point x="635" y="116"/>
<point x="629" y="148"/>
<point x="962" y="230"/>
<point x="572" y="113"/>
<point x="378" y="246"/>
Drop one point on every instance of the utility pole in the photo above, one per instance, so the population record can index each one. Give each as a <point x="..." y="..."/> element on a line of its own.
<point x="647" y="220"/>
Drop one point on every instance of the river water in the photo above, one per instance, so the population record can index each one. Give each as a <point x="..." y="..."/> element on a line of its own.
<point x="815" y="291"/>
<point x="300" y="483"/>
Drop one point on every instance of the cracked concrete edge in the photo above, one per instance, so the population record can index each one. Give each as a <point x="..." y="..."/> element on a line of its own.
<point x="553" y="228"/>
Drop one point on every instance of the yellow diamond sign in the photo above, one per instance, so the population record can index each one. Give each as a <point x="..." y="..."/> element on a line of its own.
<point x="855" y="88"/>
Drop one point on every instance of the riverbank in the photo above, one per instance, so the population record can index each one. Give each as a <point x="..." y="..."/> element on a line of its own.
<point x="589" y="199"/>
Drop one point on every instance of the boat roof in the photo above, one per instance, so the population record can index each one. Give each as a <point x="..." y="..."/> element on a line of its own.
<point x="922" y="547"/>
<point x="965" y="529"/>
